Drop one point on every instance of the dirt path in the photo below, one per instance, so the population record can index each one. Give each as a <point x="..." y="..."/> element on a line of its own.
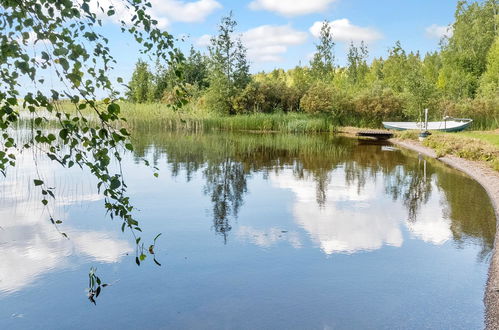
<point x="489" y="179"/>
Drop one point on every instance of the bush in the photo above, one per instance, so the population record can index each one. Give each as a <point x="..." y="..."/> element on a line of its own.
<point x="378" y="104"/>
<point x="324" y="98"/>
<point x="266" y="97"/>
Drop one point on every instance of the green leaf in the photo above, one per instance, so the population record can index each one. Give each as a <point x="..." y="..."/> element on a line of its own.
<point x="38" y="182"/>
<point x="64" y="63"/>
<point x="60" y="51"/>
<point x="115" y="184"/>
<point x="113" y="108"/>
<point x="63" y="133"/>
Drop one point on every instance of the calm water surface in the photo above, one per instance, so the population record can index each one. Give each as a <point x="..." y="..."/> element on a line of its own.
<point x="258" y="232"/>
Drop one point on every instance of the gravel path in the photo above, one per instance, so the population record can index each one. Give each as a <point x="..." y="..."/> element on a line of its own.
<point x="489" y="179"/>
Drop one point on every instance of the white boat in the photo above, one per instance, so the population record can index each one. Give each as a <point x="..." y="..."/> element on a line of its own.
<point x="451" y="125"/>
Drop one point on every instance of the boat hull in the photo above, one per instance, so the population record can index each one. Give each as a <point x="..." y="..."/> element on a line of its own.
<point x="440" y="126"/>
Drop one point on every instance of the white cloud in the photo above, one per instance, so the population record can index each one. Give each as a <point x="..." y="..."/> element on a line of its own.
<point x="291" y="8"/>
<point x="438" y="31"/>
<point x="164" y="11"/>
<point x="344" y="31"/>
<point x="203" y="41"/>
<point x="182" y="11"/>
<point x="267" y="43"/>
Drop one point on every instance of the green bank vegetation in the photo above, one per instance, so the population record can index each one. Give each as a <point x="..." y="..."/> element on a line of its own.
<point x="459" y="80"/>
<point x="472" y="145"/>
<point x="467" y="147"/>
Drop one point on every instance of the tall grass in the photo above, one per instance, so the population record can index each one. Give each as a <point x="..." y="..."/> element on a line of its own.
<point x="161" y="116"/>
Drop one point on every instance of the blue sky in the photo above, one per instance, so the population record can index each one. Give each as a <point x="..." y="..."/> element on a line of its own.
<point x="278" y="33"/>
<point x="404" y="20"/>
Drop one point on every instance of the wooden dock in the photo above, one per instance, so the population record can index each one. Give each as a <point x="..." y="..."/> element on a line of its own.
<point x="375" y="134"/>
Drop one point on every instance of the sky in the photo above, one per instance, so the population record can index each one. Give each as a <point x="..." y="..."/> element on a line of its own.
<point x="282" y="34"/>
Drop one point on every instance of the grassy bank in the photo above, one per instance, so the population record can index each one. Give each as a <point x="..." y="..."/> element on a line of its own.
<point x="158" y="115"/>
<point x="471" y="145"/>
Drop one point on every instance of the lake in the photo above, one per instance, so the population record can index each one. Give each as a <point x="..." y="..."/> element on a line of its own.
<point x="259" y="231"/>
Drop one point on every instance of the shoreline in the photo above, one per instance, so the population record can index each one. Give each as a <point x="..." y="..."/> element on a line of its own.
<point x="489" y="180"/>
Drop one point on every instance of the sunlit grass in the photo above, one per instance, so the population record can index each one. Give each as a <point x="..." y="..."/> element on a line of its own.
<point x="481" y="146"/>
<point x="491" y="137"/>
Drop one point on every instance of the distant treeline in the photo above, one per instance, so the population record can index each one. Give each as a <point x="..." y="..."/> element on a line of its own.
<point x="460" y="80"/>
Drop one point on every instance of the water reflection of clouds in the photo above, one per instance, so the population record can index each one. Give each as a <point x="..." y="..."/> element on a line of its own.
<point x="431" y="226"/>
<point x="351" y="221"/>
<point x="30" y="246"/>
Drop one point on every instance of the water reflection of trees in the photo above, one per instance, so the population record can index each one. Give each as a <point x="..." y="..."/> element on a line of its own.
<point x="226" y="184"/>
<point x="226" y="161"/>
<point x="412" y="184"/>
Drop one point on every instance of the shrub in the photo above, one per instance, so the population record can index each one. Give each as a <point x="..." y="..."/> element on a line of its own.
<point x="378" y="104"/>
<point x="324" y="98"/>
<point x="266" y="97"/>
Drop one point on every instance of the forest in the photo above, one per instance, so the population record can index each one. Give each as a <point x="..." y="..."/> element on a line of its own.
<point x="460" y="80"/>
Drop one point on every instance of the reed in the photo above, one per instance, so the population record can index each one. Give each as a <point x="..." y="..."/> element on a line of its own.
<point x="161" y="116"/>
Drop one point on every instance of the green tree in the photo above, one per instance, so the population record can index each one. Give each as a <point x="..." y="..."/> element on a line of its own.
<point x="322" y="63"/>
<point x="300" y="78"/>
<point x="375" y="73"/>
<point x="162" y="79"/>
<point x="140" y="86"/>
<point x="420" y="92"/>
<point x="464" y="55"/>
<point x="196" y="69"/>
<point x="489" y="83"/>
<point x="357" y="63"/>
<point x="395" y="68"/>
<point x="228" y="65"/>
<point x="228" y="55"/>
<point x="241" y="66"/>
<point x="432" y="64"/>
